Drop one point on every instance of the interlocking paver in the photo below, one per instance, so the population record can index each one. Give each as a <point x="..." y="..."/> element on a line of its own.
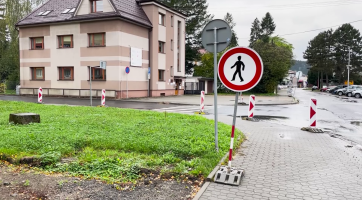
<point x="300" y="165"/>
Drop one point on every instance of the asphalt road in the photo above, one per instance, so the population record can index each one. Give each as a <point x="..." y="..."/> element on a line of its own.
<point x="86" y="102"/>
<point x="334" y="114"/>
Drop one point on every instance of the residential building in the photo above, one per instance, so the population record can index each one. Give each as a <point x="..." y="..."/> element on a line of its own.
<point x="63" y="42"/>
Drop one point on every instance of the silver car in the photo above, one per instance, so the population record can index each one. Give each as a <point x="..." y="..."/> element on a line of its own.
<point x="352" y="89"/>
<point x="343" y="91"/>
<point x="357" y="93"/>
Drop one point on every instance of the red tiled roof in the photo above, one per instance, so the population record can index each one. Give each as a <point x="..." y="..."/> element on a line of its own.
<point x="127" y="9"/>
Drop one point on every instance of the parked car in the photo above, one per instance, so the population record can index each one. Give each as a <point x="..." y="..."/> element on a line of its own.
<point x="357" y="93"/>
<point x="314" y="87"/>
<point x="333" y="91"/>
<point x="324" y="89"/>
<point x="330" y="88"/>
<point x="352" y="89"/>
<point x="342" y="91"/>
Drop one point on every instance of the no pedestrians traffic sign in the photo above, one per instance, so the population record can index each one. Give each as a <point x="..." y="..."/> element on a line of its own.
<point x="240" y="69"/>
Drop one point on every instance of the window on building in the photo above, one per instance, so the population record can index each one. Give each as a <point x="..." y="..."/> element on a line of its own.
<point x="161" y="19"/>
<point x="171" y="71"/>
<point x="46" y="12"/>
<point x="66" y="11"/>
<point x="161" y="47"/>
<point x="98" y="74"/>
<point x="171" y="21"/>
<point x="37" y="43"/>
<point x="97" y="39"/>
<point x="161" y="75"/>
<point x="37" y="73"/>
<point x="66" y="73"/>
<point x="171" y="45"/>
<point x="178" y="63"/>
<point x="65" y="41"/>
<point x="96" y="6"/>
<point x="178" y="34"/>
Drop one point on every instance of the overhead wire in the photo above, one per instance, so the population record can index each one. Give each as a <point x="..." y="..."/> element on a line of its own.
<point x="291" y="6"/>
<point x="319" y="29"/>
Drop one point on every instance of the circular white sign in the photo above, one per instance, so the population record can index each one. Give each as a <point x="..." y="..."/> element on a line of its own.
<point x="240" y="69"/>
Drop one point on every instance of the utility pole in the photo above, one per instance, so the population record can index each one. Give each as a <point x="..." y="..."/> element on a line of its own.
<point x="348" y="66"/>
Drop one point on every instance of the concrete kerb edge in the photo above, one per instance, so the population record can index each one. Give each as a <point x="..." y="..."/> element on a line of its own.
<point x="210" y="176"/>
<point x="201" y="191"/>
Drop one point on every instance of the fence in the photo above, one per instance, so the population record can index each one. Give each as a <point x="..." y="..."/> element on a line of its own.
<point x="194" y="87"/>
<point x="67" y="92"/>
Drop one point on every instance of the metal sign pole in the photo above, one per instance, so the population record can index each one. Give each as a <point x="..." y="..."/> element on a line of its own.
<point x="90" y="81"/>
<point x="127" y="85"/>
<point x="233" y="129"/>
<point x="215" y="89"/>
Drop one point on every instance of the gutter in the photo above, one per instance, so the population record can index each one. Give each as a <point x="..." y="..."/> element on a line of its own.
<point x="98" y="18"/>
<point x="149" y="62"/>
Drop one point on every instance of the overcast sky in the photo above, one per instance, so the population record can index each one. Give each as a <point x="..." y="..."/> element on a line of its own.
<point x="289" y="17"/>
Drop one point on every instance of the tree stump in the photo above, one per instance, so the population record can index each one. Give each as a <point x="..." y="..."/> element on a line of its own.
<point x="24" y="118"/>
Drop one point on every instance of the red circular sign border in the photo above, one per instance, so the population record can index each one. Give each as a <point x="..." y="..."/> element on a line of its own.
<point x="259" y="69"/>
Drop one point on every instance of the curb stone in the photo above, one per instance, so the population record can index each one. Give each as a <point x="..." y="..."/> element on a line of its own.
<point x="210" y="176"/>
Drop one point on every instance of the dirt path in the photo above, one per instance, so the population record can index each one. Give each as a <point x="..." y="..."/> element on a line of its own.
<point x="29" y="185"/>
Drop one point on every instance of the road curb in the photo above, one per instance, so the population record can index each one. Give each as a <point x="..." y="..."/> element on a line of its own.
<point x="201" y="191"/>
<point x="189" y="104"/>
<point x="211" y="175"/>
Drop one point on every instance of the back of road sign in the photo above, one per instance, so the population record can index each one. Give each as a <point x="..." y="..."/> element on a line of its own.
<point x="223" y="35"/>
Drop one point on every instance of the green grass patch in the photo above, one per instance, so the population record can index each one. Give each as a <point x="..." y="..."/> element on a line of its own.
<point x="113" y="144"/>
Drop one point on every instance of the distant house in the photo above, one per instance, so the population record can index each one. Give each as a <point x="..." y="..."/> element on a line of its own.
<point x="194" y="85"/>
<point x="63" y="41"/>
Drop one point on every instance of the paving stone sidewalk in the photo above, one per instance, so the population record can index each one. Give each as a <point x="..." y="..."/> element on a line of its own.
<point x="286" y="163"/>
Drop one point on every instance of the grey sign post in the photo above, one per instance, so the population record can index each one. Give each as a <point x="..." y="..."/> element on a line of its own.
<point x="216" y="37"/>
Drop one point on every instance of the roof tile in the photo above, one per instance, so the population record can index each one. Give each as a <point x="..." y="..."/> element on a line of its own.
<point x="128" y="9"/>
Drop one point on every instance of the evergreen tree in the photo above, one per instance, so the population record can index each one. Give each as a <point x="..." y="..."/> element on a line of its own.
<point x="346" y="37"/>
<point x="267" y="25"/>
<point x="230" y="20"/>
<point x="328" y="53"/>
<point x="255" y="32"/>
<point x="196" y="10"/>
<point x="14" y="10"/>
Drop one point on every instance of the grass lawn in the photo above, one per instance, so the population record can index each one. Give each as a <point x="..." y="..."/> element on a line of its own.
<point x="113" y="144"/>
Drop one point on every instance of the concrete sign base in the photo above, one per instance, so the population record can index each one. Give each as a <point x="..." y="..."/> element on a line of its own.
<point x="229" y="177"/>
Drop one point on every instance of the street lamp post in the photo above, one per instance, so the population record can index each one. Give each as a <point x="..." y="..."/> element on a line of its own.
<point x="348" y="66"/>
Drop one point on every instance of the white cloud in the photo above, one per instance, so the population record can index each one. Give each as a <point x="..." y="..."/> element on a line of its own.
<point x="297" y="16"/>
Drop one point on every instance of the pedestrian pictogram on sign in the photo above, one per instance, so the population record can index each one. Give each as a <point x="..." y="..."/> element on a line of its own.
<point x="240" y="69"/>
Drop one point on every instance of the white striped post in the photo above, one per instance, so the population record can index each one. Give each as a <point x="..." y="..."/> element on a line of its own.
<point x="40" y="95"/>
<point x="313" y="113"/>
<point x="251" y="106"/>
<point x="103" y="102"/>
<point x="233" y="130"/>
<point x="202" y="101"/>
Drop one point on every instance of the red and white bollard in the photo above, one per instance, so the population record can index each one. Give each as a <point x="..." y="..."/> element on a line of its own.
<point x="103" y="102"/>
<point x="40" y="95"/>
<point x="202" y="101"/>
<point x="251" y="106"/>
<point x="231" y="144"/>
<point x="313" y="113"/>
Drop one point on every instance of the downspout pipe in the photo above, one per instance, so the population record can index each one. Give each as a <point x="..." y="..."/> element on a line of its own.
<point x="149" y="62"/>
